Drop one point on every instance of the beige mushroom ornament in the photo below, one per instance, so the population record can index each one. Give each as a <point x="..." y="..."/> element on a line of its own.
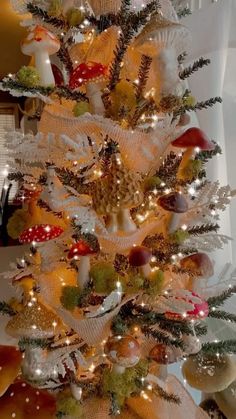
<point x="123" y="351"/>
<point x="36" y="321"/>
<point x="40" y="44"/>
<point x="162" y="40"/>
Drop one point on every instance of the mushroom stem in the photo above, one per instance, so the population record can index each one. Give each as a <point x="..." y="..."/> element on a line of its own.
<point x="43" y="65"/>
<point x="145" y="270"/>
<point x="118" y="369"/>
<point x="189" y="154"/>
<point x="166" y="68"/>
<point x="173" y="223"/>
<point x="76" y="391"/>
<point x="83" y="273"/>
<point x="125" y="222"/>
<point x="94" y="93"/>
<point x="112" y="224"/>
<point x="33" y="359"/>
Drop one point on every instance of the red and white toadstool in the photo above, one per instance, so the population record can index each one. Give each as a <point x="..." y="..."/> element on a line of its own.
<point x="199" y="312"/>
<point x="176" y="204"/>
<point x="40" y="43"/>
<point x="192" y="140"/>
<point x="140" y="257"/>
<point x="123" y="351"/>
<point x="92" y="76"/>
<point x="40" y="233"/>
<point x="81" y="250"/>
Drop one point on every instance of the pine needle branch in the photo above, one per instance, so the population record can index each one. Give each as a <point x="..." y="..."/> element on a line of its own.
<point x="35" y="343"/>
<point x="162" y="337"/>
<point x="198" y="106"/>
<point x="182" y="57"/>
<point x="223" y="315"/>
<point x="9" y="83"/>
<point x="6" y="309"/>
<point x="37" y="11"/>
<point x="203" y="229"/>
<point x="186" y="72"/>
<point x="169" y="397"/>
<point x="222" y="347"/>
<point x="204" y="156"/>
<point x="219" y="300"/>
<point x="65" y="92"/>
<point x="64" y="56"/>
<point x="184" y="12"/>
<point x="123" y="43"/>
<point x="143" y="75"/>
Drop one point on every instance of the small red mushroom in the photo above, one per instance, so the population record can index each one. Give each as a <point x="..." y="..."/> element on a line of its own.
<point x="92" y="76"/>
<point x="81" y="250"/>
<point x="25" y="195"/>
<point x="40" y="233"/>
<point x="175" y="203"/>
<point x="200" y="265"/>
<point x="123" y="351"/>
<point x="140" y="257"/>
<point x="191" y="140"/>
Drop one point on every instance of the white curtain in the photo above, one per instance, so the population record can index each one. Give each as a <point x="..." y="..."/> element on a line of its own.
<point x="214" y="36"/>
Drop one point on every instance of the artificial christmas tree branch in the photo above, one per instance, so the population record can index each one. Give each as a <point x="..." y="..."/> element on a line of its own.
<point x="6" y="309"/>
<point x="187" y="72"/>
<point x="203" y="229"/>
<point x="183" y="12"/>
<point x="38" y="12"/>
<point x="143" y="75"/>
<point x="222" y="347"/>
<point x="223" y="315"/>
<point x="198" y="106"/>
<point x="168" y="397"/>
<point x="64" y="56"/>
<point x="219" y="300"/>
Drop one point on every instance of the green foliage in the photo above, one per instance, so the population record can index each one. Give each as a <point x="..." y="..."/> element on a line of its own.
<point x="68" y="406"/>
<point x="70" y="297"/>
<point x="223" y="315"/>
<point x="219" y="300"/>
<point x="28" y="76"/>
<point x="80" y="108"/>
<point x="105" y="277"/>
<point x="179" y="236"/>
<point x="222" y="347"/>
<point x="201" y="62"/>
<point x="34" y="343"/>
<point x="55" y="8"/>
<point x="152" y="183"/>
<point x="6" y="309"/>
<point x="192" y="170"/>
<point x="154" y="284"/>
<point x="121" y="386"/>
<point x="135" y="283"/>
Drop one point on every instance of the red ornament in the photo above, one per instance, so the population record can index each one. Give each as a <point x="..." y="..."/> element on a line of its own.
<point x="193" y="138"/>
<point x="200" y="311"/>
<point x="87" y="72"/>
<point x="25" y="195"/>
<point x="80" y="248"/>
<point x="40" y="233"/>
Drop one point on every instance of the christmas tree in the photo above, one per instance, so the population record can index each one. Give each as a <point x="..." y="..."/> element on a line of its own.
<point x="118" y="216"/>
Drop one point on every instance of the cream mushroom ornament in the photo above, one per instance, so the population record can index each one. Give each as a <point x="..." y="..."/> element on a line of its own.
<point x="36" y="321"/>
<point x="40" y="44"/>
<point x="162" y="40"/>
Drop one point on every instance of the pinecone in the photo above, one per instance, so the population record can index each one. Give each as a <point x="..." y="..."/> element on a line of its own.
<point x="119" y="189"/>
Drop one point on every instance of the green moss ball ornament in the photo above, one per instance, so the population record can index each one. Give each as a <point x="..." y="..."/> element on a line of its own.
<point x="80" y="108"/>
<point x="151" y="183"/>
<point x="67" y="406"/>
<point x="70" y="297"/>
<point x="74" y="17"/>
<point x="105" y="277"/>
<point x="28" y="76"/>
<point x="154" y="283"/>
<point x="55" y="8"/>
<point x="179" y="236"/>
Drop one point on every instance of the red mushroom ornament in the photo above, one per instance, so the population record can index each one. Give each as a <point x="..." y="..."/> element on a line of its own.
<point x="198" y="264"/>
<point x="81" y="250"/>
<point x="192" y="140"/>
<point x="199" y="312"/>
<point x="40" y="233"/>
<point x="176" y="204"/>
<point x="123" y="351"/>
<point x="92" y="76"/>
<point x="140" y="257"/>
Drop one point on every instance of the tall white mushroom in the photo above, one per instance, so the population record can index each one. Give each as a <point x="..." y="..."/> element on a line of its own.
<point x="40" y="43"/>
<point x="163" y="40"/>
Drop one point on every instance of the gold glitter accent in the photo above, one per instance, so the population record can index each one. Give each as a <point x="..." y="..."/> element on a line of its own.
<point x="36" y="321"/>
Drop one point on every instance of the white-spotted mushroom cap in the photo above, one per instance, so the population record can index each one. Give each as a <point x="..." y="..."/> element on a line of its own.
<point x="123" y="350"/>
<point x="35" y="321"/>
<point x="40" y="39"/>
<point x="159" y="34"/>
<point x="40" y="233"/>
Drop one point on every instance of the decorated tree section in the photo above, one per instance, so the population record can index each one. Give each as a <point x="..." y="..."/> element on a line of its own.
<point x="119" y="218"/>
